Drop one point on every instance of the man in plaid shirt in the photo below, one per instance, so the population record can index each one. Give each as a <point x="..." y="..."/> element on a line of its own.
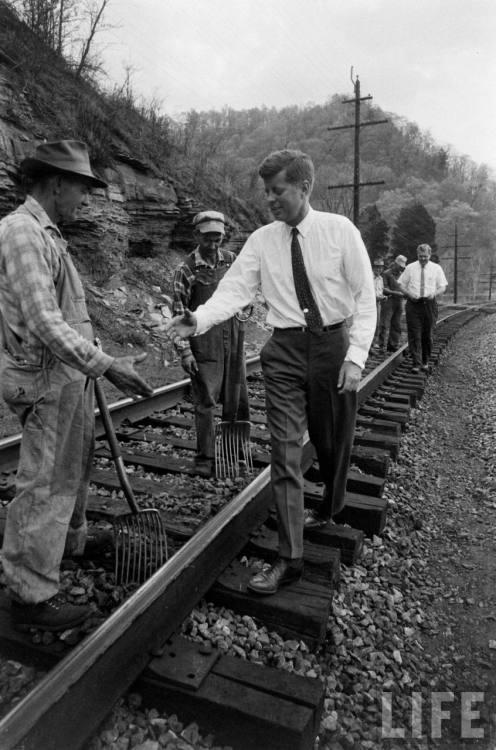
<point x="211" y="359"/>
<point x="48" y="363"/>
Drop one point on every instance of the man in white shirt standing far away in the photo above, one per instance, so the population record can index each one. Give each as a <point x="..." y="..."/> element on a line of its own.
<point x="314" y="272"/>
<point x="421" y="282"/>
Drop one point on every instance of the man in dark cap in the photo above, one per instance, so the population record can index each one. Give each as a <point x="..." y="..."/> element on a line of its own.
<point x="392" y="307"/>
<point x="210" y="359"/>
<point x="49" y="362"/>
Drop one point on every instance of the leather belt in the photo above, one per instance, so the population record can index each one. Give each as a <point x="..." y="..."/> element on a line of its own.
<point x="304" y="329"/>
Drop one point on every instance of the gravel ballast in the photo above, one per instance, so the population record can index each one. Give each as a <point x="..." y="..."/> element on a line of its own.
<point x="408" y="659"/>
<point x="409" y="656"/>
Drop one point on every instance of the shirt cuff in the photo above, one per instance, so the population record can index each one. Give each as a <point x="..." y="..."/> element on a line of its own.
<point x="98" y="364"/>
<point x="356" y="355"/>
<point x="201" y="323"/>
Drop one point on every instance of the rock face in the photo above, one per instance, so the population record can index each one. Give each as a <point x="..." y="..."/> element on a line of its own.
<point x="139" y="215"/>
<point x="136" y="215"/>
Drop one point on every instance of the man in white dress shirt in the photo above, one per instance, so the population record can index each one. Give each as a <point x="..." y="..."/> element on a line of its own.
<point x="421" y="282"/>
<point x="312" y="363"/>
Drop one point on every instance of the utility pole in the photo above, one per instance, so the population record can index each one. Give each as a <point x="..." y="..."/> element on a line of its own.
<point x="455" y="268"/>
<point x="491" y="276"/>
<point x="356" y="184"/>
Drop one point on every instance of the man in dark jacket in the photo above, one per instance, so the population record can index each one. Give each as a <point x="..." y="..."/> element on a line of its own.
<point x="392" y="307"/>
<point x="210" y="359"/>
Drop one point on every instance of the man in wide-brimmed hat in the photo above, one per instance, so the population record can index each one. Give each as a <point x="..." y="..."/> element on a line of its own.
<point x="211" y="360"/>
<point x="49" y="362"/>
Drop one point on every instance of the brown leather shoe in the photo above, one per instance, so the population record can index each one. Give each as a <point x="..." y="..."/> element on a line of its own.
<point x="280" y="574"/>
<point x="53" y="614"/>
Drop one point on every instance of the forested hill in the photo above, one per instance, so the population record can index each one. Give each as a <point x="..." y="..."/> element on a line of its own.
<point x="162" y="170"/>
<point x="428" y="188"/>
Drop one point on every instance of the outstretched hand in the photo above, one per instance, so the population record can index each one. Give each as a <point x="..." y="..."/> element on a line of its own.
<point x="122" y="374"/>
<point x="182" y="325"/>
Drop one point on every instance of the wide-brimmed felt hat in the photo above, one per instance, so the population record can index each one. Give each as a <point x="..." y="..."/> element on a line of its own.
<point x="209" y="221"/>
<point x="67" y="157"/>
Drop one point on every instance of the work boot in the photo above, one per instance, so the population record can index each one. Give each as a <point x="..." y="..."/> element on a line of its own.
<point x="53" y="614"/>
<point x="204" y="465"/>
<point x="99" y="544"/>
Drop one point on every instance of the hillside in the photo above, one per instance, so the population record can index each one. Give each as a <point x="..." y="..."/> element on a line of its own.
<point x="161" y="172"/>
<point x="128" y="242"/>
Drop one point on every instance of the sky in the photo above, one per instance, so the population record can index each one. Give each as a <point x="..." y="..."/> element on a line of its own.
<point x="430" y="61"/>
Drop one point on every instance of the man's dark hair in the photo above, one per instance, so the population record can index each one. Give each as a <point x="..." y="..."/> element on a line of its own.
<point x="298" y="166"/>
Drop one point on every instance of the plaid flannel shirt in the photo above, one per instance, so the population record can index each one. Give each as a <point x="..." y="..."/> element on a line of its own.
<point x="182" y="283"/>
<point x="29" y="267"/>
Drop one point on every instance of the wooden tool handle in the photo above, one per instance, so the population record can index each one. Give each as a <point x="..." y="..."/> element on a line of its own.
<point x="238" y="372"/>
<point x="115" y="449"/>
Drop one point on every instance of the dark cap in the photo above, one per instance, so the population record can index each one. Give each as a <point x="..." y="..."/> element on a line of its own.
<point x="209" y="221"/>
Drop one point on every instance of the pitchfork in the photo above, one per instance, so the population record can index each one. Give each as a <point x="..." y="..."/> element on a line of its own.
<point x="139" y="537"/>
<point x="232" y="437"/>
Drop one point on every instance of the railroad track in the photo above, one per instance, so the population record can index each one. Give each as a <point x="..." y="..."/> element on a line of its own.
<point x="80" y="688"/>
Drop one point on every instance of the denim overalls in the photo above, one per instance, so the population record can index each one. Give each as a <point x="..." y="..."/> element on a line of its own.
<point x="54" y="403"/>
<point x="215" y="354"/>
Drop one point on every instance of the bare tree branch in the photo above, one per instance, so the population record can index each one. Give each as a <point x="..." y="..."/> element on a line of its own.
<point x="95" y="20"/>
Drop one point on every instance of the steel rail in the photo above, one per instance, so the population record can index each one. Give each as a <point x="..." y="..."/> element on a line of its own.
<point x="162" y="398"/>
<point x="69" y="703"/>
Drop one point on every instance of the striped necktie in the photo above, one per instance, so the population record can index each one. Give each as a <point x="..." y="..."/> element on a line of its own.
<point x="303" y="289"/>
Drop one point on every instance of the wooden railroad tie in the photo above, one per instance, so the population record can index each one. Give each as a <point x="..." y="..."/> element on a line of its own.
<point x="246" y="705"/>
<point x="388" y="413"/>
<point x="362" y="512"/>
<point x="347" y="540"/>
<point x="299" y="610"/>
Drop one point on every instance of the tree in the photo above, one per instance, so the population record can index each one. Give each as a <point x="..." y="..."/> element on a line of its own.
<point x="68" y="27"/>
<point x="374" y="232"/>
<point x="94" y="16"/>
<point x="414" y="226"/>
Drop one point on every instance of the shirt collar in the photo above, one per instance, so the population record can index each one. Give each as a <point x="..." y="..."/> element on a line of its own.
<point x="304" y="226"/>
<point x="36" y="209"/>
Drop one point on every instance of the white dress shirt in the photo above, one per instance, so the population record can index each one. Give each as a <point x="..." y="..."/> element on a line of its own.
<point x="434" y="279"/>
<point x="338" y="268"/>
